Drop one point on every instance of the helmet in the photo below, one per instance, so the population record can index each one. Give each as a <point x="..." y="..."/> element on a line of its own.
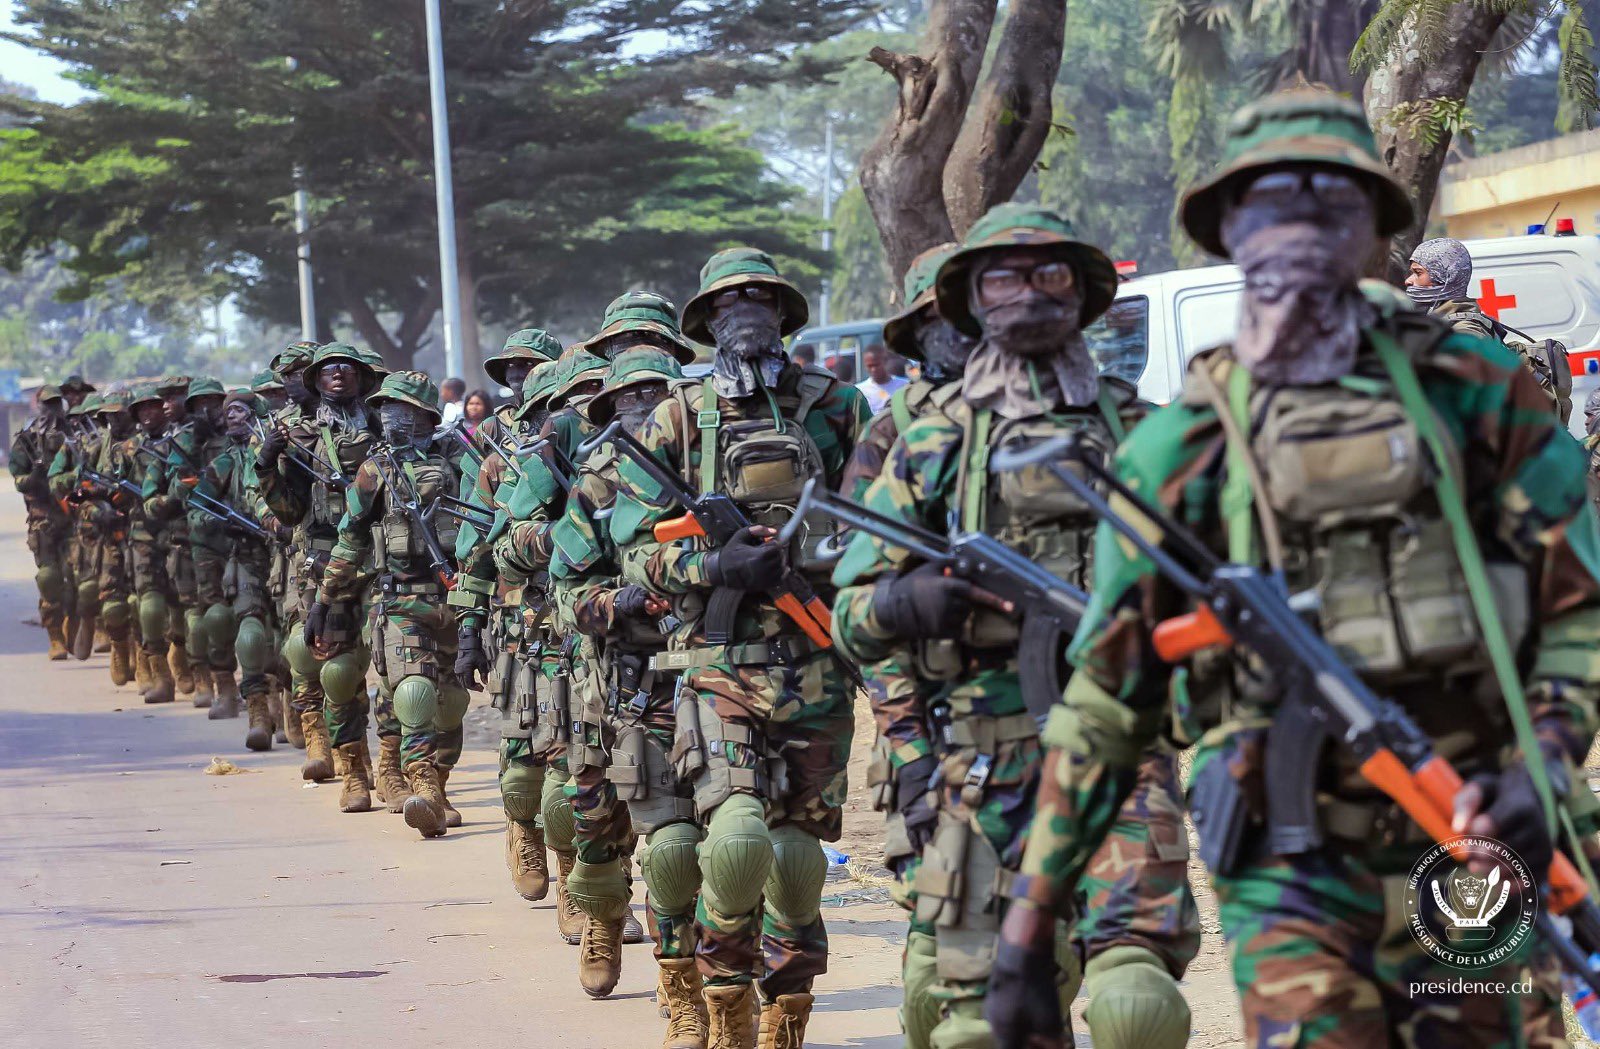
<point x="734" y="268"/>
<point x="409" y="387"/>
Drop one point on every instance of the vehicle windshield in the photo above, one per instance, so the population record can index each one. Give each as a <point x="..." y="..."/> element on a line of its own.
<point x="1120" y="340"/>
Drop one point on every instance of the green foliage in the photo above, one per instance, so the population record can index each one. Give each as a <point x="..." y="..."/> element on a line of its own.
<point x="861" y="283"/>
<point x="1431" y="120"/>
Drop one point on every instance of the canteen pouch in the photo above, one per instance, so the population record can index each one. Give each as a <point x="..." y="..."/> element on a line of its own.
<point x="1332" y="455"/>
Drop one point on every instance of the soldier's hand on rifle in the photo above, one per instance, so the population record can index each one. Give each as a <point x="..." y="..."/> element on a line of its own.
<point x="316" y="623"/>
<point x="632" y="602"/>
<point x="1505" y="806"/>
<point x="1023" y="1006"/>
<point x="280" y="531"/>
<point x="277" y="440"/>
<point x="747" y="561"/>
<point x="911" y="799"/>
<point x="471" y="659"/>
<point x="926" y="602"/>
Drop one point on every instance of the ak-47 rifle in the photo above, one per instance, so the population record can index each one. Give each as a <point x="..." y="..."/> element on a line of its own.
<point x="1321" y="696"/>
<point x="405" y="498"/>
<point x="457" y="431"/>
<point x="307" y="459"/>
<point x="716" y="517"/>
<point x="1048" y="606"/>
<point x="226" y="514"/>
<point x="109" y="483"/>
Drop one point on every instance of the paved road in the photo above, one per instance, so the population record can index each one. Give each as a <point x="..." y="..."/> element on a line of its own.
<point x="145" y="903"/>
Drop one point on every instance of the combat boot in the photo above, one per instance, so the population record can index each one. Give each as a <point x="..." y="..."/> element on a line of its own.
<point x="731" y="1015"/>
<point x="227" y="703"/>
<point x="783" y="1022"/>
<point x="277" y="711"/>
<point x="142" y="678"/>
<point x="292" y="727"/>
<point x="600" y="957"/>
<point x="258" y="710"/>
<point x="160" y="690"/>
<point x="102" y="641"/>
<point x="318" y="765"/>
<point x="355" y="796"/>
<point x="182" y="672"/>
<point x="632" y="930"/>
<point x="569" y="919"/>
<point x="203" y="696"/>
<point x="83" y="638"/>
<point x="530" y="871"/>
<point x="683" y="997"/>
<point x="121" y="661"/>
<point x="391" y="782"/>
<point x="452" y="818"/>
<point x="424" y="809"/>
<point x="58" y="639"/>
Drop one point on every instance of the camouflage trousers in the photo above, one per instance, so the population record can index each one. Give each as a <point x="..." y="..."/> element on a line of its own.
<point x="1323" y="956"/>
<point x="212" y="626"/>
<point x="149" y="565"/>
<point x="115" y="589"/>
<point x="255" y="617"/>
<point x="414" y="635"/>
<point x="794" y="719"/>
<point x="48" y="540"/>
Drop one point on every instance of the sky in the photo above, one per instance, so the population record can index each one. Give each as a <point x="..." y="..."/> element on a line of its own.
<point x="29" y="67"/>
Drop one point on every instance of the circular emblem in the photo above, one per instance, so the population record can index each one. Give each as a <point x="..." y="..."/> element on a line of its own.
<point x="1471" y="920"/>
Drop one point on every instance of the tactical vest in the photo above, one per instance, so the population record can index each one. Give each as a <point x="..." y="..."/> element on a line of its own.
<point x="347" y="449"/>
<point x="398" y="548"/>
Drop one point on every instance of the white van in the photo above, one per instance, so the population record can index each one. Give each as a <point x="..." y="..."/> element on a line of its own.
<point x="1548" y="287"/>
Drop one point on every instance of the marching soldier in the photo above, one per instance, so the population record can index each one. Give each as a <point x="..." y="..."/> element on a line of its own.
<point x="32" y="450"/>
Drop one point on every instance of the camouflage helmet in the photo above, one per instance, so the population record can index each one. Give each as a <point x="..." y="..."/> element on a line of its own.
<point x="633" y="367"/>
<point x="1024" y="226"/>
<point x="408" y="387"/>
<point x="734" y="268"/>
<point x="74" y="383"/>
<point x="536" y="391"/>
<point x="1299" y="125"/>
<point x="204" y="386"/>
<point x="649" y="313"/>
<point x="48" y="392"/>
<point x="577" y="366"/>
<point x="343" y="351"/>
<point x="900" y="331"/>
<point x="110" y="403"/>
<point x="265" y="380"/>
<point x="88" y="406"/>
<point x="529" y="344"/>
<point x="295" y="355"/>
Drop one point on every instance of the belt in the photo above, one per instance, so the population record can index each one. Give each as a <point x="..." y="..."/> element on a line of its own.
<point x="778" y="651"/>
<point x="986" y="733"/>
<point x="390" y="585"/>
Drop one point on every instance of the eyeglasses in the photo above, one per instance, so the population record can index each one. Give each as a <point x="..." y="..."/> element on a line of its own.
<point x="999" y="286"/>
<point x="1332" y="189"/>
<point x="643" y="397"/>
<point x="337" y="368"/>
<point x="754" y="292"/>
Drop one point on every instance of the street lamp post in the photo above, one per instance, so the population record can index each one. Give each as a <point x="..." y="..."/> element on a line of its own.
<point x="449" y="278"/>
<point x="302" y="233"/>
<point x="827" y="224"/>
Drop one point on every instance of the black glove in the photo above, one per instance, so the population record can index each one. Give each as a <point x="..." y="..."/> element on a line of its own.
<point x="1023" y="1006"/>
<point x="470" y="656"/>
<point x="316" y="622"/>
<point x="1510" y="801"/>
<point x="276" y="441"/>
<point x="746" y="562"/>
<point x="911" y="800"/>
<point x="629" y="602"/>
<point x="924" y="603"/>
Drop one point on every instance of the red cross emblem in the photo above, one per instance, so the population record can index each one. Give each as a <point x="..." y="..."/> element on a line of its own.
<point x="1492" y="303"/>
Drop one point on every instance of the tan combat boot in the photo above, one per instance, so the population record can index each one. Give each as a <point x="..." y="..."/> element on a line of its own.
<point x="121" y="660"/>
<point x="161" y="688"/>
<point x="424" y="809"/>
<point x="684" y="999"/>
<point x="277" y="711"/>
<point x="257" y="708"/>
<point x="354" y="797"/>
<point x="569" y="919"/>
<point x="318" y="765"/>
<point x="203" y="696"/>
<point x="58" y="639"/>
<point x="600" y="957"/>
<point x="452" y="818"/>
<point x="142" y="677"/>
<point x="292" y="726"/>
<point x="102" y="641"/>
<point x="731" y="1012"/>
<point x="391" y="782"/>
<point x="83" y="638"/>
<point x="530" y="871"/>
<point x="227" y="703"/>
<point x="341" y="763"/>
<point x="783" y="1022"/>
<point x="182" y="672"/>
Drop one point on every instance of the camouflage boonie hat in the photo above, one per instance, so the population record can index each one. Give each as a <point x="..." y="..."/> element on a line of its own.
<point x="239" y="395"/>
<point x="1300" y="125"/>
<point x="113" y="402"/>
<point x="1024" y="226"/>
<point x="48" y="392"/>
<point x="529" y="344"/>
<point x="541" y="381"/>
<point x="579" y="365"/>
<point x="373" y="360"/>
<point x="143" y="393"/>
<point x="76" y="382"/>
<point x="204" y="386"/>
<point x="734" y="268"/>
<point x="634" y="368"/>
<point x="295" y="355"/>
<point x="267" y="380"/>
<point x="408" y="387"/>
<point x="343" y="351"/>
<point x="88" y="406"/>
<point x="900" y="331"/>
<point x="649" y="313"/>
<point x="169" y="383"/>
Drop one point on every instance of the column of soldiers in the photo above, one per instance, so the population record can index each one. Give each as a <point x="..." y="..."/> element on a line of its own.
<point x="635" y="567"/>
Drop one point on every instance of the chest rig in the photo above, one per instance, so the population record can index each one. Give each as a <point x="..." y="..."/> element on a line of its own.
<point x="346" y="450"/>
<point x="398" y="547"/>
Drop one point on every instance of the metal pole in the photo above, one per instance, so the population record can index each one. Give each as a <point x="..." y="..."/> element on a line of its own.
<point x="302" y="233"/>
<point x="449" y="278"/>
<point x="827" y="222"/>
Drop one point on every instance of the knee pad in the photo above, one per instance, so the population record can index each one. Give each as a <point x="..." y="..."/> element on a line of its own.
<point x="220" y="626"/>
<point x="1134" y="1001"/>
<point x="963" y="1027"/>
<point x="521" y="786"/>
<point x="88" y="594"/>
<point x="252" y="646"/>
<point x="50" y="582"/>
<point x="671" y="867"/>
<point x="416" y="702"/>
<point x="152" y="616"/>
<point x="736" y="856"/>
<point x="453" y="703"/>
<point x="919" y="1013"/>
<point x="194" y="626"/>
<point x="341" y="679"/>
<point x="114" y="616"/>
<point x="559" y="823"/>
<point x="302" y="662"/>
<point x="600" y="890"/>
<point x="799" y="868"/>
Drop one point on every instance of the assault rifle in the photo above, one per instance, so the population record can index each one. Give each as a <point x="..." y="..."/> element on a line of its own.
<point x="307" y="459"/>
<point x="1321" y="696"/>
<point x="226" y="514"/>
<point x="404" y="495"/>
<point x="563" y="469"/>
<point x="113" y="485"/>
<point x="716" y="517"/>
<point x="1048" y="606"/>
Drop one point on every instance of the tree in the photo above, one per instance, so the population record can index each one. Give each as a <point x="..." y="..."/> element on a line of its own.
<point x="861" y="283"/>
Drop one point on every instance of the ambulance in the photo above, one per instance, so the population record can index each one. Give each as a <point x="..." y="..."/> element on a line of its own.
<point x="1546" y="286"/>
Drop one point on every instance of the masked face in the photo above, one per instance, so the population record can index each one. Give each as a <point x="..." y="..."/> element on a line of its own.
<point x="745" y="321"/>
<point x="1027" y="301"/>
<point x="236" y="419"/>
<point x="404" y="425"/>
<point x="294" y="386"/>
<point x="152" y="416"/>
<point x="74" y="397"/>
<point x="516" y="374"/>
<point x="1591" y="413"/>
<point x="637" y="403"/>
<point x="943" y="347"/>
<point x="1302" y="237"/>
<point x="52" y="409"/>
<point x="337" y="381"/>
<point x="119" y="423"/>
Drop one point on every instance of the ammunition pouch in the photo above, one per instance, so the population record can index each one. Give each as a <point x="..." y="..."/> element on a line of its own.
<point x="586" y="747"/>
<point x="518" y="702"/>
<point x="959" y="885"/>
<point x="700" y="754"/>
<point x="641" y="771"/>
<point x="880" y="776"/>
<point x="552" y="721"/>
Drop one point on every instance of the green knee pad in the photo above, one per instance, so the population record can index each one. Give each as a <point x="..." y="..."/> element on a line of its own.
<point x="799" y="868"/>
<point x="599" y="890"/>
<point x="114" y="616"/>
<point x="453" y="703"/>
<point x="736" y="856"/>
<point x="88" y="595"/>
<point x="51" y="583"/>
<point x="416" y="702"/>
<point x="341" y="677"/>
<point x="153" y="616"/>
<point x="220" y="626"/>
<point x="919" y="1013"/>
<point x="559" y="824"/>
<point x="195" y="643"/>
<point x="963" y="1027"/>
<point x="520" y="789"/>
<point x="671" y="867"/>
<point x="1134" y="1001"/>
<point x="253" y="646"/>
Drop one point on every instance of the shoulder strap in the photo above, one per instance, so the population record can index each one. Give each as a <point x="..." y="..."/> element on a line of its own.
<point x="973" y="479"/>
<point x="1112" y="414"/>
<point x="707" y="421"/>
<point x="813" y="386"/>
<point x="899" y="410"/>
<point x="1238" y="502"/>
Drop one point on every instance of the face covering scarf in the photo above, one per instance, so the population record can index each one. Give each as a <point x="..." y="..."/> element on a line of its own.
<point x="1032" y="358"/>
<point x="749" y="348"/>
<point x="1449" y="266"/>
<point x="944" y="349"/>
<point x="403" y="425"/>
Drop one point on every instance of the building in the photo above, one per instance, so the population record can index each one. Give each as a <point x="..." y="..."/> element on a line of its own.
<point x="1502" y="194"/>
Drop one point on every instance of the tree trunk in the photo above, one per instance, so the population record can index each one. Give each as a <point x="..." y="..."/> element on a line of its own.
<point x="902" y="171"/>
<point x="1009" y="120"/>
<point x="1398" y="94"/>
<point x="471" y="349"/>
<point x="1325" y="37"/>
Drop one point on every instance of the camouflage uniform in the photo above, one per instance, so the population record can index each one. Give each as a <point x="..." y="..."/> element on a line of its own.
<point x="112" y="510"/>
<point x="49" y="528"/>
<point x="764" y="716"/>
<point x="96" y="554"/>
<point x="968" y="690"/>
<point x="1322" y="954"/>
